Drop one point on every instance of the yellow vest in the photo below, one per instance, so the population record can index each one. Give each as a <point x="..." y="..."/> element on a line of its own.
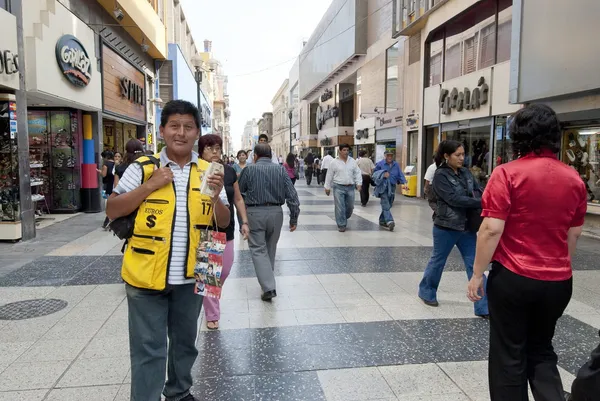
<point x="148" y="255"/>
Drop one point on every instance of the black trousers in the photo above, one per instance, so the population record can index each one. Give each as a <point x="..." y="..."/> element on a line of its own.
<point x="323" y="175"/>
<point x="523" y="315"/>
<point x="318" y="175"/>
<point x="586" y="386"/>
<point x="309" y="175"/>
<point x="364" y="190"/>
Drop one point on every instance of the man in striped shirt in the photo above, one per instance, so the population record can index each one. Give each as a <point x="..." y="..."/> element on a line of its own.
<point x="265" y="187"/>
<point x="174" y="311"/>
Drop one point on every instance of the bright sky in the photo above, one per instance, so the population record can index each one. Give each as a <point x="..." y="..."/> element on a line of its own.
<point x="249" y="36"/>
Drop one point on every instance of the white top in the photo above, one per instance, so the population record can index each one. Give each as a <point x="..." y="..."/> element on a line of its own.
<point x="430" y="173"/>
<point x="251" y="158"/>
<point x="132" y="178"/>
<point x="326" y="162"/>
<point x="343" y="173"/>
<point x="365" y="165"/>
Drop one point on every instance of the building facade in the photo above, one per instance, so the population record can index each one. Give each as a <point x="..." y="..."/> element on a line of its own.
<point x="265" y="125"/>
<point x="250" y="135"/>
<point x="280" y="143"/>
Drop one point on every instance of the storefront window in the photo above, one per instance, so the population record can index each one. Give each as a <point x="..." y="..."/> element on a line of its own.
<point x="391" y="79"/>
<point x="504" y="34"/>
<point x="503" y="152"/>
<point x="477" y="150"/>
<point x="413" y="148"/>
<point x="5" y="4"/>
<point x="581" y="151"/>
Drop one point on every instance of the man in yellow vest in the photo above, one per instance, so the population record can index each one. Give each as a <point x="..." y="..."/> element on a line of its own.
<point x="158" y="264"/>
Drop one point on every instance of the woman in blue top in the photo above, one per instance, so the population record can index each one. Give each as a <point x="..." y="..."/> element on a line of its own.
<point x="242" y="156"/>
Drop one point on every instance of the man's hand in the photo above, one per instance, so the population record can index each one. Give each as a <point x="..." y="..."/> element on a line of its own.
<point x="216" y="183"/>
<point x="386" y="175"/>
<point x="327" y="192"/>
<point x="245" y="231"/>
<point x="359" y="188"/>
<point x="293" y="228"/>
<point x="160" y="177"/>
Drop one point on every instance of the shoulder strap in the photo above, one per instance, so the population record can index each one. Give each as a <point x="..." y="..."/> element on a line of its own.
<point x="148" y="163"/>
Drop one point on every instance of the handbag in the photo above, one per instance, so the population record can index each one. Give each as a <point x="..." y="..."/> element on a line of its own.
<point x="209" y="261"/>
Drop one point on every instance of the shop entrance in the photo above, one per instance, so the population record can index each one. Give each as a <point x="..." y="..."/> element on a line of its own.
<point x="116" y="135"/>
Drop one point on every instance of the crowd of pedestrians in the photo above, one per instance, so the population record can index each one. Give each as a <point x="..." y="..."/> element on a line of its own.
<point x="529" y="285"/>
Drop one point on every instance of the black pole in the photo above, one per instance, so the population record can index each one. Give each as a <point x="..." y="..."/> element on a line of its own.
<point x="291" y="147"/>
<point x="198" y="82"/>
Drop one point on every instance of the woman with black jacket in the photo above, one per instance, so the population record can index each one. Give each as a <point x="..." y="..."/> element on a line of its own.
<point x="455" y="222"/>
<point x="309" y="160"/>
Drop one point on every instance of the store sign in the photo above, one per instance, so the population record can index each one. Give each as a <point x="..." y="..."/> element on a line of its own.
<point x="9" y="62"/>
<point x="327" y="95"/>
<point x="132" y="91"/>
<point x="412" y="121"/>
<point x="389" y="120"/>
<point x="323" y="116"/>
<point x="362" y="133"/>
<point x="465" y="100"/>
<point x="73" y="60"/>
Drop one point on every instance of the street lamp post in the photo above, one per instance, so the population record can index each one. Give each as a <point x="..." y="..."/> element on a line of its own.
<point x="198" y="78"/>
<point x="290" y="115"/>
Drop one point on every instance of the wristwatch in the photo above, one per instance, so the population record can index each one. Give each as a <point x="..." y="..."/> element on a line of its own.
<point x="246" y="223"/>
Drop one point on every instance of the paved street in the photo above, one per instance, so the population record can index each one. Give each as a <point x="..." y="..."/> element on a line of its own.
<point x="346" y="325"/>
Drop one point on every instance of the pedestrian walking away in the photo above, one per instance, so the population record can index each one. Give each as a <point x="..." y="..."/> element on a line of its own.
<point x="163" y="308"/>
<point x="108" y="178"/>
<point x="343" y="176"/>
<point x="456" y="220"/>
<point x="289" y="167"/>
<point x="265" y="187"/>
<point x="387" y="175"/>
<point x="210" y="148"/>
<point x="367" y="168"/>
<point x="325" y="163"/>
<point x="309" y="161"/>
<point x="530" y="286"/>
<point x="317" y="170"/>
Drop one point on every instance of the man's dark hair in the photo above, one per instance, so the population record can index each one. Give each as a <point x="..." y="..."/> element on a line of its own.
<point x="262" y="150"/>
<point x="342" y="146"/>
<point x="362" y="153"/>
<point x="535" y="128"/>
<point x="447" y="147"/>
<point x="179" y="107"/>
<point x="108" y="155"/>
<point x="330" y="152"/>
<point x="265" y="136"/>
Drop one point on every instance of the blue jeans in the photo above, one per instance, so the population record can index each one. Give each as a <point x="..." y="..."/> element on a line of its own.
<point x="343" y="197"/>
<point x="443" y="242"/>
<point x="386" y="205"/>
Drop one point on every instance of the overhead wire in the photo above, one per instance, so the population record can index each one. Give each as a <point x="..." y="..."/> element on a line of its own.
<point x="302" y="53"/>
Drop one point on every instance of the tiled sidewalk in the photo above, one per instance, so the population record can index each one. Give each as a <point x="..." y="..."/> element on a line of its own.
<point x="346" y="325"/>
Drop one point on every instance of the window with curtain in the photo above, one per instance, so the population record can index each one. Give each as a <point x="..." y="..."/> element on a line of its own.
<point x="414" y="48"/>
<point x="470" y="54"/>
<point x="391" y="78"/>
<point x="452" y="67"/>
<point x="504" y="35"/>
<point x="435" y="61"/>
<point x="487" y="52"/>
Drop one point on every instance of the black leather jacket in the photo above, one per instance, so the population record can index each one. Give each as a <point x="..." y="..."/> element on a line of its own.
<point x="454" y="193"/>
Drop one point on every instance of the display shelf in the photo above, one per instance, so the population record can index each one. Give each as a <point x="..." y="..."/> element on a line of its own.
<point x="37" y="198"/>
<point x="37" y="183"/>
<point x="36" y="165"/>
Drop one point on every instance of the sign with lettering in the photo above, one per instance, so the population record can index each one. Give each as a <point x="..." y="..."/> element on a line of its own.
<point x="9" y="62"/>
<point x="466" y="99"/>
<point x="327" y="95"/>
<point x="323" y="116"/>
<point x="412" y="120"/>
<point x="132" y="91"/>
<point x="73" y="60"/>
<point x="389" y="120"/>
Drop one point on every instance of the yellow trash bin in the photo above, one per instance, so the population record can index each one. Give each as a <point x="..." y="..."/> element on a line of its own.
<point x="410" y="188"/>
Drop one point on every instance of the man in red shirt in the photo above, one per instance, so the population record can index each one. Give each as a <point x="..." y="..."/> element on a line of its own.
<point x="533" y="211"/>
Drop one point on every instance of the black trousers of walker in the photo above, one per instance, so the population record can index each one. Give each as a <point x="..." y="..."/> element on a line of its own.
<point x="309" y="175"/>
<point x="364" y="190"/>
<point x="586" y="386"/>
<point x="523" y="315"/>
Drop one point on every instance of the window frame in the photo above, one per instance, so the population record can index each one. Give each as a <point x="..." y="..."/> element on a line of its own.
<point x="7" y="7"/>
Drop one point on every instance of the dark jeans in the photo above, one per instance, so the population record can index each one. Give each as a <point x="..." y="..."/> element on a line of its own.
<point x="586" y="386"/>
<point x="154" y="316"/>
<point x="293" y="181"/>
<point x="318" y="175"/>
<point x="523" y="315"/>
<point x="323" y="175"/>
<point x="309" y="175"/>
<point x="364" y="191"/>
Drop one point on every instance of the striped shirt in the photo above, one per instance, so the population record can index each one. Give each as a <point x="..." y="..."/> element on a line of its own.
<point x="343" y="173"/>
<point x="132" y="178"/>
<point x="264" y="182"/>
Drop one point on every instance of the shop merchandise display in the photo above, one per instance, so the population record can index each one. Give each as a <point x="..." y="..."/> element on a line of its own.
<point x="9" y="168"/>
<point x="582" y="153"/>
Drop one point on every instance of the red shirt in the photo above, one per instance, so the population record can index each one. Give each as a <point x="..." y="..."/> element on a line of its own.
<point x="540" y="199"/>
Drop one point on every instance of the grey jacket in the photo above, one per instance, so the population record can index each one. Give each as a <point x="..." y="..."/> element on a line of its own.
<point x="454" y="193"/>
